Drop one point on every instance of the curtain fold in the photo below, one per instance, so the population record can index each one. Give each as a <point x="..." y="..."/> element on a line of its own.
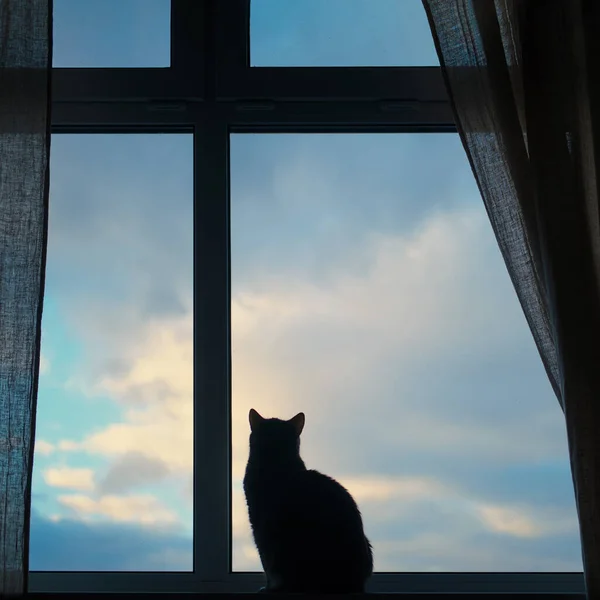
<point x="524" y="82"/>
<point x="25" y="71"/>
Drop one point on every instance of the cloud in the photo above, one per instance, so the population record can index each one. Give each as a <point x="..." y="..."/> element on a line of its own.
<point x="420" y="524"/>
<point x="140" y="253"/>
<point x="158" y="424"/>
<point x="315" y="34"/>
<point x="406" y="340"/>
<point x="68" y="445"/>
<point x="382" y="310"/>
<point x="440" y="552"/>
<point x="74" y="545"/>
<point x="527" y="521"/>
<point x="66" y="477"/>
<point x="508" y="520"/>
<point x="273" y="344"/>
<point x="140" y="508"/>
<point x="43" y="448"/>
<point x="375" y="489"/>
<point x="130" y="471"/>
<point x="44" y="365"/>
<point x="296" y="343"/>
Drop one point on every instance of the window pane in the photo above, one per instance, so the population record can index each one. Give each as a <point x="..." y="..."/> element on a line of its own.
<point x="340" y="33"/>
<point x="368" y="291"/>
<point x="112" y="487"/>
<point x="112" y="33"/>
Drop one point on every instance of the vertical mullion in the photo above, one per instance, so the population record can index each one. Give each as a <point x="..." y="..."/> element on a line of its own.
<point x="232" y="42"/>
<point x="232" y="29"/>
<point x="187" y="46"/>
<point x="211" y="348"/>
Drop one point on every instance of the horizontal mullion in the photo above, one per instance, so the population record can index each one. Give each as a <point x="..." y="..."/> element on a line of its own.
<point x="571" y="585"/>
<point x="251" y="116"/>
<point x="124" y="85"/>
<point x="134" y="117"/>
<point x="330" y="116"/>
<point x="100" y="582"/>
<point x="121" y="129"/>
<point x="425" y="84"/>
<point x="400" y="596"/>
<point x="453" y="583"/>
<point x="467" y="583"/>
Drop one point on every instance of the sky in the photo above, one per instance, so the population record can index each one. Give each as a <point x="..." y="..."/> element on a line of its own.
<point x="367" y="292"/>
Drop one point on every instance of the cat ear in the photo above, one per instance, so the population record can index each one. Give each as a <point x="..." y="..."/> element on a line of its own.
<point x="298" y="422"/>
<point x="255" y="419"/>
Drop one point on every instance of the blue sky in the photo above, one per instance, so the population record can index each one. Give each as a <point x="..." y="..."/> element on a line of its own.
<point x="367" y="291"/>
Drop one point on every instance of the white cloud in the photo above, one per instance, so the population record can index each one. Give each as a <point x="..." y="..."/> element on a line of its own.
<point x="439" y="552"/>
<point x="419" y="523"/>
<point x="380" y="489"/>
<point x="43" y="448"/>
<point x="130" y="472"/>
<point x="68" y="445"/>
<point x="319" y="348"/>
<point x="66" y="477"/>
<point x="161" y="425"/>
<point x="507" y="520"/>
<point x="155" y="391"/>
<point x="395" y="309"/>
<point x="141" y="508"/>
<point x="367" y="353"/>
<point x="362" y="352"/>
<point x="44" y="364"/>
<point x="524" y="521"/>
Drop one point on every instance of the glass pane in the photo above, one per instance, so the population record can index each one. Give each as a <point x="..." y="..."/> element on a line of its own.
<point x="340" y="33"/>
<point x="112" y="33"/>
<point x="368" y="291"/>
<point x="112" y="488"/>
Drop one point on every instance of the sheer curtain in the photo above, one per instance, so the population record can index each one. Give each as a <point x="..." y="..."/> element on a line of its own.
<point x="25" y="61"/>
<point x="523" y="77"/>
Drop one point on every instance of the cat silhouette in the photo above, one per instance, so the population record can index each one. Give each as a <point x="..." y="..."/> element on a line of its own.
<point x="307" y="527"/>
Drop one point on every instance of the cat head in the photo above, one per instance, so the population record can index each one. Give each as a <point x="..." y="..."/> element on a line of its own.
<point x="275" y="436"/>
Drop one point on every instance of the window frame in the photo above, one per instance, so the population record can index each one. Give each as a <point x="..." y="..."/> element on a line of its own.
<point x="138" y="84"/>
<point x="236" y="79"/>
<point x="211" y="92"/>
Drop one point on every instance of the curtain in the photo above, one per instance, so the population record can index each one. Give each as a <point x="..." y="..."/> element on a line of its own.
<point x="25" y="68"/>
<point x="523" y="77"/>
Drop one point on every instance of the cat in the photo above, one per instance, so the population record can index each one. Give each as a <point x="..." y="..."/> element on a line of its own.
<point x="307" y="527"/>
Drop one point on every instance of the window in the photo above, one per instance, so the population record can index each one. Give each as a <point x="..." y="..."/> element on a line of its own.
<point x="373" y="297"/>
<point x="111" y="33"/>
<point x="113" y="475"/>
<point x="340" y="33"/>
<point x="200" y="180"/>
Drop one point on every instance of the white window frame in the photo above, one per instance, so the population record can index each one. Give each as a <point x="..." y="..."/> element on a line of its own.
<point x="211" y="91"/>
